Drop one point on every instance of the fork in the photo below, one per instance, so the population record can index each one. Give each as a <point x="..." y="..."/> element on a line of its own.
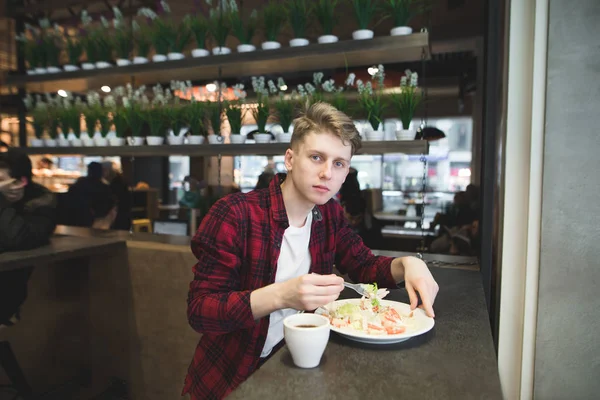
<point x="357" y="287"/>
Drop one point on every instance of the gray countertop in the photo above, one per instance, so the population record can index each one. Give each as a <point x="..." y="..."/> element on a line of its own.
<point x="455" y="360"/>
<point x="60" y="248"/>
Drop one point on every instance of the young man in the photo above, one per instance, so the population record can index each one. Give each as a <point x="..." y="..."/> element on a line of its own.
<point x="27" y="220"/>
<point x="268" y="253"/>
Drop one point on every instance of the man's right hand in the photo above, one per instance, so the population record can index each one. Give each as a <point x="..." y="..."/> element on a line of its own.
<point x="311" y="291"/>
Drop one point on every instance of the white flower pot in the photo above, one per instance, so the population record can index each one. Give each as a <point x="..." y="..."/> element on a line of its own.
<point x="71" y="68"/>
<point x="405" y="134"/>
<point x="175" y="56"/>
<point x="284" y="137"/>
<point x="101" y="142"/>
<point x="135" y="140"/>
<point x="103" y="64"/>
<point x="159" y="58"/>
<point x="175" y="140"/>
<point x="88" y="66"/>
<point x="215" y="139"/>
<point x="245" y="48"/>
<point x="217" y="51"/>
<point x="401" y="30"/>
<point x="84" y="135"/>
<point x="31" y="72"/>
<point x="376" y="136"/>
<point x="327" y="39"/>
<point x="62" y="142"/>
<point x="123" y="62"/>
<point x="76" y="142"/>
<point x="155" y="140"/>
<point x="40" y="70"/>
<point x="362" y="34"/>
<point x="298" y="42"/>
<point x="262" y="137"/>
<point x="195" y="139"/>
<point x="53" y="70"/>
<point x="50" y="142"/>
<point x="200" y="53"/>
<point x="35" y="142"/>
<point x="116" y="141"/>
<point x="88" y="142"/>
<point x="237" y="138"/>
<point x="140" y="60"/>
<point x="270" y="45"/>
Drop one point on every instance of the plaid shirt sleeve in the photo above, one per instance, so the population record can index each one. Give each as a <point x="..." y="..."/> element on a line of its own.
<point x="216" y="303"/>
<point x="356" y="259"/>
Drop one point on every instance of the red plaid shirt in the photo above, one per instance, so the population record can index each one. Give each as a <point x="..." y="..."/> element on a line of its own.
<point x="237" y="246"/>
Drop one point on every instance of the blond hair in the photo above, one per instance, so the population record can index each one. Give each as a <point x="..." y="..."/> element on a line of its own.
<point x="323" y="117"/>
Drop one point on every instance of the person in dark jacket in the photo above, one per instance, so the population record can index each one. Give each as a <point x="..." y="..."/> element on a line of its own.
<point x="27" y="220"/>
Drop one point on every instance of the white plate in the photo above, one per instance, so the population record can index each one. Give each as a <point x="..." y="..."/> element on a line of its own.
<point x="422" y="323"/>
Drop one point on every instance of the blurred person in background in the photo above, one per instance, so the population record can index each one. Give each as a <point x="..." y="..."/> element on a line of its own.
<point x="121" y="193"/>
<point x="27" y="220"/>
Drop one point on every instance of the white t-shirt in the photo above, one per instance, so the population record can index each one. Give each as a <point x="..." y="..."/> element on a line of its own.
<point x="293" y="261"/>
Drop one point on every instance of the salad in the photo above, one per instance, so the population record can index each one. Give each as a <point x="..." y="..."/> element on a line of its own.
<point x="369" y="316"/>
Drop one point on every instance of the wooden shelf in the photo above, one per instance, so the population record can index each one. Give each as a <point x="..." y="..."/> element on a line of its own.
<point x="207" y="150"/>
<point x="314" y="57"/>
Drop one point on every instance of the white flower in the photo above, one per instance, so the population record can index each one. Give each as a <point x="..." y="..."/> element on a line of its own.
<point x="340" y="89"/>
<point x="280" y="82"/>
<point x="272" y="87"/>
<point x="301" y="91"/>
<point x="146" y="12"/>
<point x="44" y="23"/>
<point x="329" y="86"/>
<point x="118" y="14"/>
<point x="85" y="18"/>
<point x="135" y="26"/>
<point x="310" y="88"/>
<point x="104" y="22"/>
<point x="350" y="79"/>
<point x="258" y="84"/>
<point x="165" y="6"/>
<point x="403" y="81"/>
<point x="238" y="91"/>
<point x="109" y="102"/>
<point x="317" y="78"/>
<point x="414" y="79"/>
<point x="126" y="102"/>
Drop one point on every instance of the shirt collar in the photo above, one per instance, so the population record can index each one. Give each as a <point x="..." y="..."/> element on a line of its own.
<point x="278" y="207"/>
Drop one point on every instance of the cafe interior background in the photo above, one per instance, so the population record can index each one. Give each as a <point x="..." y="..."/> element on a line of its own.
<point x="486" y="71"/>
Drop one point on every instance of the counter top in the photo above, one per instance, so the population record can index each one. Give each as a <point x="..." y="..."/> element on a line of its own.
<point x="456" y="359"/>
<point x="64" y="230"/>
<point x="60" y="248"/>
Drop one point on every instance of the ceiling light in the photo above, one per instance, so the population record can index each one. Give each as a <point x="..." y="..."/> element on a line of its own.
<point x="283" y="88"/>
<point x="62" y="93"/>
<point x="105" y="89"/>
<point x="211" y="87"/>
<point x="372" y="70"/>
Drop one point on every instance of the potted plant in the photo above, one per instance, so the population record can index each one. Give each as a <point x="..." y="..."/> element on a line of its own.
<point x="406" y="102"/>
<point x="284" y="112"/>
<point x="122" y="39"/>
<point x="220" y="26"/>
<point x="261" y="112"/>
<point x="180" y="37"/>
<point x="199" y="27"/>
<point x="235" y="115"/>
<point x="274" y="17"/>
<point x="74" y="52"/>
<point x="105" y="121"/>
<point x="142" y="43"/>
<point x="371" y="101"/>
<point x="339" y="99"/>
<point x="52" y="49"/>
<point x="298" y="13"/>
<point x="325" y="13"/>
<point x="30" y="50"/>
<point x="102" y="37"/>
<point x="90" y="115"/>
<point x="155" y="118"/>
<point x="195" y="113"/>
<point x="119" y="118"/>
<point x="134" y="114"/>
<point x="215" y="116"/>
<point x="364" y="11"/>
<point x="71" y="122"/>
<point x="402" y="12"/>
<point x="54" y="121"/>
<point x="244" y="30"/>
<point x="38" y="110"/>
<point x="159" y="32"/>
<point x="91" y="52"/>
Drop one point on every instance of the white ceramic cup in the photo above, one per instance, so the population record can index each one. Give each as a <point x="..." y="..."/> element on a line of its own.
<point x="306" y="344"/>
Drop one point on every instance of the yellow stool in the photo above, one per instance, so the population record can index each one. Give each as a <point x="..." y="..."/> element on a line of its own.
<point x="142" y="225"/>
